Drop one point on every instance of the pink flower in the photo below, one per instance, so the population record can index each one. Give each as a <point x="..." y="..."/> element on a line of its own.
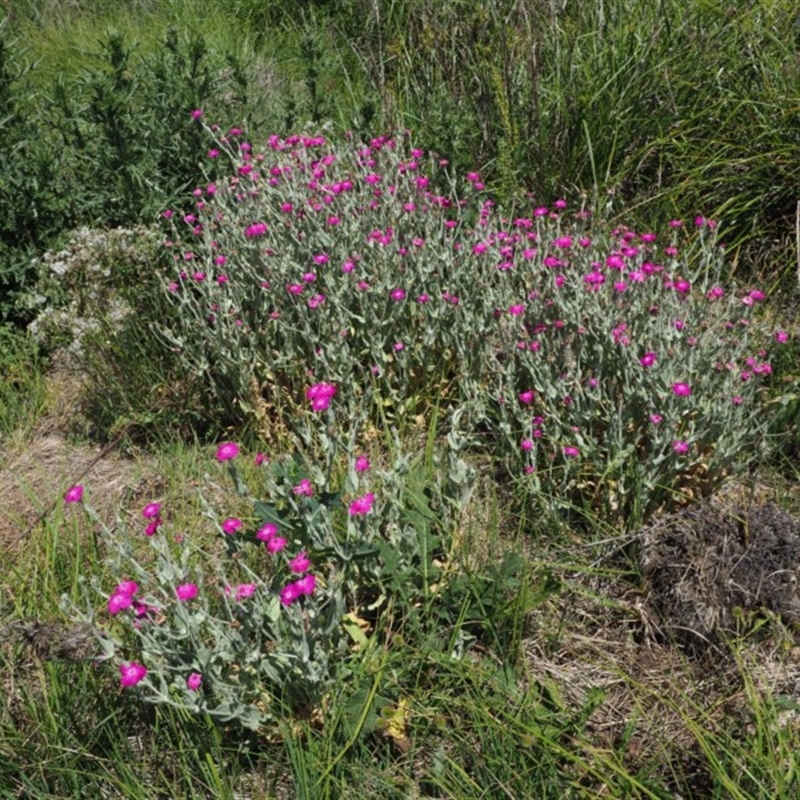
<point x="570" y="451"/>
<point x="526" y="397"/>
<point x="289" y="594"/>
<point x="306" y="584"/>
<point x="526" y="445"/>
<point x="256" y="229"/>
<point x="245" y="590"/>
<point x="361" y="505"/>
<point x="362" y="464"/>
<point x="399" y="347"/>
<point x="648" y="359"/>
<point x="231" y="525"/>
<point x="681" y="389"/>
<point x="193" y="681"/>
<point x="736" y="400"/>
<point x="265" y="533"/>
<point x="655" y="419"/>
<point x="320" y="395"/>
<point x="150" y="511"/>
<point x="131" y="674"/>
<point x="300" y="563"/>
<point x="275" y="544"/>
<point x="152" y="526"/>
<point x="516" y="310"/>
<point x="304" y="488"/>
<point x="261" y="458"/>
<point x="74" y="494"/>
<point x="680" y="447"/>
<point x="398" y="294"/>
<point x="119" y="602"/>
<point x="128" y="588"/>
<point x="227" y="451"/>
<point x="197" y="113"/>
<point x="682" y="286"/>
<point x="186" y="591"/>
<point x="781" y="337"/>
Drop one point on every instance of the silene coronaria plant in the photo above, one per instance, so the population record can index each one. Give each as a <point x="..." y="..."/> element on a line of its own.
<point x="257" y="622"/>
<point x="606" y="368"/>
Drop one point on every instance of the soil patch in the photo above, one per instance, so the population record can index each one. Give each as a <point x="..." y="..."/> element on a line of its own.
<point x="708" y="567"/>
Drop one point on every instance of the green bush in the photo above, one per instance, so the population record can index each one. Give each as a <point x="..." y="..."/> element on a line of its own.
<point x="106" y="148"/>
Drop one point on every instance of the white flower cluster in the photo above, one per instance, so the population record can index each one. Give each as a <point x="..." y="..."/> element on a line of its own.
<point x="81" y="287"/>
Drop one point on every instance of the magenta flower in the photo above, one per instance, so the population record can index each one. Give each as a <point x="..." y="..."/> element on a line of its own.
<point x="275" y="544"/>
<point x="245" y="590"/>
<point x="656" y="419"/>
<point x="231" y="525"/>
<point x="570" y="451"/>
<point x="681" y="389"/>
<point x="304" y="488"/>
<point x="362" y="505"/>
<point x="186" y="591"/>
<point x="152" y="526"/>
<point x="526" y="397"/>
<point x="151" y="510"/>
<point x="119" y="602"/>
<point x="266" y="532"/>
<point x="300" y="563"/>
<point x="197" y="113"/>
<point x="256" y="229"/>
<point x="128" y="588"/>
<point x="289" y="593"/>
<point x="131" y="674"/>
<point x="74" y="494"/>
<point x="193" y="681"/>
<point x="362" y="464"/>
<point x="526" y="445"/>
<point x="680" y="447"/>
<point x="261" y="458"/>
<point x="306" y="584"/>
<point x="227" y="451"/>
<point x="398" y="294"/>
<point x="320" y="395"/>
<point x="648" y="359"/>
<point x="781" y="337"/>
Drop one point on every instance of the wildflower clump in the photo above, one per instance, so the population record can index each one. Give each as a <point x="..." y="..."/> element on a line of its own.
<point x="602" y="366"/>
<point x="251" y="626"/>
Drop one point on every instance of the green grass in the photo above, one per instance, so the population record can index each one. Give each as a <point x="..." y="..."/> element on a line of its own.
<point x="23" y="392"/>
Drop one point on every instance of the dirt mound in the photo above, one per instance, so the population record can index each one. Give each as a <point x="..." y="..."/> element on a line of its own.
<point x="706" y="566"/>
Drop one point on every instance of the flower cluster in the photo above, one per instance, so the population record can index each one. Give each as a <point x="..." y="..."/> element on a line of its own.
<point x="341" y="270"/>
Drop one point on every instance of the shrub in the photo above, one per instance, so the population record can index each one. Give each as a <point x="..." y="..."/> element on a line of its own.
<point x="609" y="369"/>
<point x="96" y="277"/>
<point x="107" y="148"/>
